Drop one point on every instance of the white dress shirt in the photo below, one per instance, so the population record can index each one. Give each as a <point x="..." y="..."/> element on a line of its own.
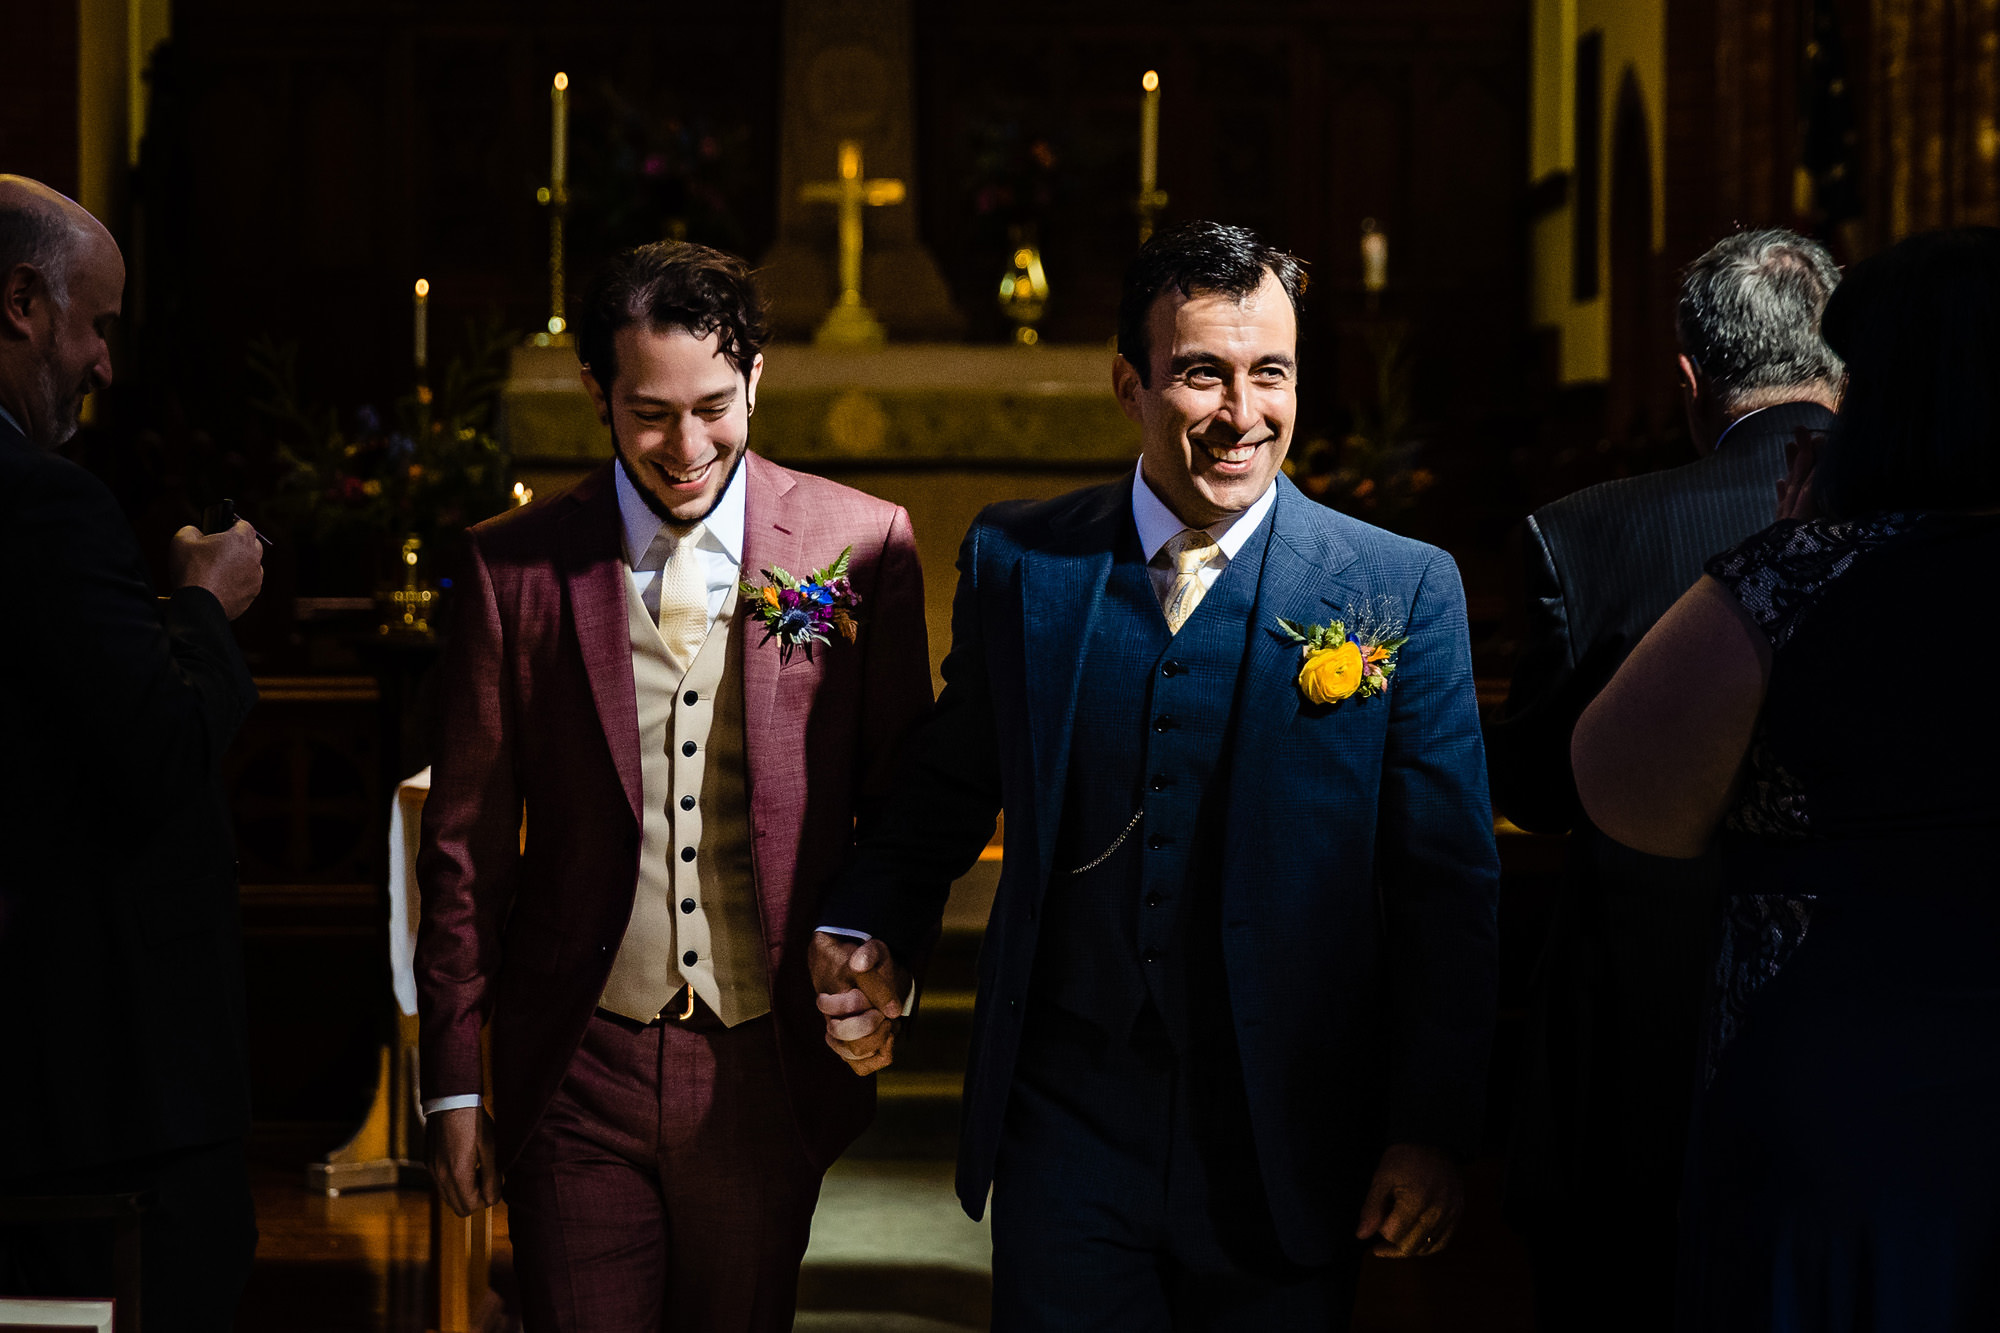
<point x="720" y="552"/>
<point x="8" y="417"/>
<point x="1158" y="526"/>
<point x="719" y="549"/>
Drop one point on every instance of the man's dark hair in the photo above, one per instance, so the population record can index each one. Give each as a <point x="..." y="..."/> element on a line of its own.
<point x="671" y="285"/>
<point x="1749" y="314"/>
<point x="1196" y="257"/>
<point x="1919" y="423"/>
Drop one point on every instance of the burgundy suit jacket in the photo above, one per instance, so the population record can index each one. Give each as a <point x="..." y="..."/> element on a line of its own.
<point x="539" y="714"/>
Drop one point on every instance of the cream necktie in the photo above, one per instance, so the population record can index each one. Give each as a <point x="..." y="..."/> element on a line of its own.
<point x="677" y="598"/>
<point x="1190" y="549"/>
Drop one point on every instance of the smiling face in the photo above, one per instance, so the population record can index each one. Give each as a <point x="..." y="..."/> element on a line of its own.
<point x="79" y="359"/>
<point x="1216" y="419"/>
<point x="679" y="415"/>
<point x="54" y="355"/>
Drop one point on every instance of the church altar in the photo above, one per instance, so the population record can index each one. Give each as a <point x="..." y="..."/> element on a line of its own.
<point x="922" y="405"/>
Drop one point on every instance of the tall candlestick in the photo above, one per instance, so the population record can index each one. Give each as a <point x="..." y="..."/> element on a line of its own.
<point x="1149" y="134"/>
<point x="1151" y="200"/>
<point x="1374" y="257"/>
<point x="423" y="320"/>
<point x="559" y="135"/>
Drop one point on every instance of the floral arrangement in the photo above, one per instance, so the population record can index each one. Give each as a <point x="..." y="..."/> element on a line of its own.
<point x="432" y="469"/>
<point x="1370" y="469"/>
<point x="799" y="613"/>
<point x="1343" y="662"/>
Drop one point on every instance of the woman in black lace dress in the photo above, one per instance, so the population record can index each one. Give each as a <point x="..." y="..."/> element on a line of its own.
<point x="1827" y="703"/>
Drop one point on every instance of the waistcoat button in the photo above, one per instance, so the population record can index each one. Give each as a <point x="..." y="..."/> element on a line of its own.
<point x="1158" y="840"/>
<point x="690" y="958"/>
<point x="687" y="905"/>
<point x="1171" y="668"/>
<point x="687" y="802"/>
<point x="690" y="698"/>
<point x="687" y="748"/>
<point x="1154" y="900"/>
<point x="1159" y="782"/>
<point x="687" y="853"/>
<point x="1163" y="723"/>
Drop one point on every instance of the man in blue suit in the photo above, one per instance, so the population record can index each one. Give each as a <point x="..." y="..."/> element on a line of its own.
<point x="1237" y="991"/>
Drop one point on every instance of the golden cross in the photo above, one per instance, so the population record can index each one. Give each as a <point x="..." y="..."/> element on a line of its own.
<point x="850" y="194"/>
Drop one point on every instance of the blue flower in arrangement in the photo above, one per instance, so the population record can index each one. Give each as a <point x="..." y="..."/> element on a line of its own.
<point x="799" y="613"/>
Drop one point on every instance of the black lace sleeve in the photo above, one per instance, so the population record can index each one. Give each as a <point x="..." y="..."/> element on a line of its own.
<point x="1777" y="574"/>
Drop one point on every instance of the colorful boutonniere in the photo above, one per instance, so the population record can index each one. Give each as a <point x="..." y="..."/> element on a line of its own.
<point x="799" y="613"/>
<point x="1343" y="659"/>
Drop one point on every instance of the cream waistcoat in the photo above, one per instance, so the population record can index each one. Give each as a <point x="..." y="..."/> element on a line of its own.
<point x="694" y="916"/>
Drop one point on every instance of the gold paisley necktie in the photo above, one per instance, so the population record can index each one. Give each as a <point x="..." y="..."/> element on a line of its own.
<point x="678" y="598"/>
<point x="1190" y="549"/>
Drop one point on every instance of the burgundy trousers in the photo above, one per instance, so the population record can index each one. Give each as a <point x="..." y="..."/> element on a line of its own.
<point x="665" y="1189"/>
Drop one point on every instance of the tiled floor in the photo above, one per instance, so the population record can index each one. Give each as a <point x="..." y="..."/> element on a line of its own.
<point x="891" y="1253"/>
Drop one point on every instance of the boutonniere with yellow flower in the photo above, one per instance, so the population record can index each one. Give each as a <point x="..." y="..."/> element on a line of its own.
<point x="799" y="613"/>
<point x="1343" y="660"/>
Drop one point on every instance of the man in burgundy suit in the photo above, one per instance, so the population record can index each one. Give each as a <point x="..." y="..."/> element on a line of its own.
<point x="663" y="1100"/>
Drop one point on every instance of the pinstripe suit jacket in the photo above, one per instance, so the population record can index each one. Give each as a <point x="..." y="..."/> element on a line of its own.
<point x="1609" y="1065"/>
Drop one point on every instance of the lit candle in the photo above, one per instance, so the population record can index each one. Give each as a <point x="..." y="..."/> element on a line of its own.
<point x="1374" y="256"/>
<point x="1149" y="135"/>
<point x="559" y="135"/>
<point x="423" y="322"/>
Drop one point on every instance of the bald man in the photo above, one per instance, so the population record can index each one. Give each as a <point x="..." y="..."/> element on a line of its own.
<point x="121" y="974"/>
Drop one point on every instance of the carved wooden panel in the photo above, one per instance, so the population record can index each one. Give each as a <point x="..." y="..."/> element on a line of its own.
<point x="38" y="116"/>
<point x="1299" y="121"/>
<point x="329" y="154"/>
<point x="1936" y="73"/>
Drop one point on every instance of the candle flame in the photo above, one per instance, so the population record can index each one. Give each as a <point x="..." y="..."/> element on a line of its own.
<point x="562" y="82"/>
<point x="1151" y="83"/>
<point x="850" y="160"/>
<point x="423" y="288"/>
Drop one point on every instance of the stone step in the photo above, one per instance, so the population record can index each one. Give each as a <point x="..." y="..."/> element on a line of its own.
<point x="892" y="1252"/>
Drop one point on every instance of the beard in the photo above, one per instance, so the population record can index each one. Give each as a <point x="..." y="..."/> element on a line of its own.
<point x="55" y="418"/>
<point x="653" y="502"/>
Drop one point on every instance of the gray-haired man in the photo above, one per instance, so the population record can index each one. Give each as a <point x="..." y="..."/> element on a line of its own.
<point x="1611" y="1053"/>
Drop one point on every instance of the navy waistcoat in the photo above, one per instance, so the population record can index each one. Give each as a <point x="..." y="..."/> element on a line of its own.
<point x="1151" y="733"/>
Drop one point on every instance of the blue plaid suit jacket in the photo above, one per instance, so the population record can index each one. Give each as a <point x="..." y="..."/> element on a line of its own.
<point x="1359" y="872"/>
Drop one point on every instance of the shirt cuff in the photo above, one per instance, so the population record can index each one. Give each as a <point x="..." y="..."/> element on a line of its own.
<point x="909" y="1000"/>
<point x="432" y="1105"/>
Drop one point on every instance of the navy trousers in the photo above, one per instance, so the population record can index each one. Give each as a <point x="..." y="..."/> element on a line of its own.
<point x="1127" y="1195"/>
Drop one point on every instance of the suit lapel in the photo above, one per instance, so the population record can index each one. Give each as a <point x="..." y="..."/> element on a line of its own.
<point x="593" y="575"/>
<point x="1055" y="583"/>
<point x="1300" y="583"/>
<point x="772" y="720"/>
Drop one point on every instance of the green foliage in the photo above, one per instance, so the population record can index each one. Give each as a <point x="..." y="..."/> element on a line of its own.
<point x="1330" y="635"/>
<point x="1371" y="472"/>
<point x="433" y="470"/>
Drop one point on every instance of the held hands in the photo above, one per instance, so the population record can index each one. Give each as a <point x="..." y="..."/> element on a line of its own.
<point x="1795" y="491"/>
<point x="464" y="1164"/>
<point x="229" y="564"/>
<point x="1414" y="1203"/>
<point x="861" y="993"/>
